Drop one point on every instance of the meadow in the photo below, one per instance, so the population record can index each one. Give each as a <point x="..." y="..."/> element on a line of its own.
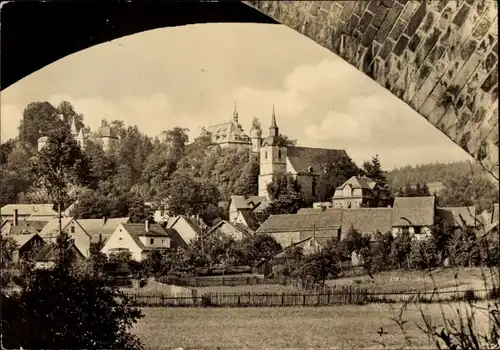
<point x="345" y="327"/>
<point x="419" y="281"/>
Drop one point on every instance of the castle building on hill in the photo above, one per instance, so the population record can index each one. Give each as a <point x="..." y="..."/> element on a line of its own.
<point x="304" y="163"/>
<point x="105" y="135"/>
<point x="230" y="133"/>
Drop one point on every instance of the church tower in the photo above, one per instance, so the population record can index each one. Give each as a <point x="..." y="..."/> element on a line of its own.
<point x="272" y="157"/>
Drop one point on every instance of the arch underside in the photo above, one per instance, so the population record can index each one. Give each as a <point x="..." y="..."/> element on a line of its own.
<point x="439" y="57"/>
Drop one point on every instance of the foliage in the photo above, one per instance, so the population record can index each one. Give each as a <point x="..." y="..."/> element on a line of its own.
<point x="380" y="252"/>
<point x="420" y="190"/>
<point x="248" y="183"/>
<point x="256" y="247"/>
<point x="285" y="195"/>
<point x="320" y="265"/>
<point x="210" y="250"/>
<point x="423" y="254"/>
<point x="354" y="241"/>
<point x="8" y="247"/>
<point x="120" y="257"/>
<point x="464" y="248"/>
<point x="490" y="252"/>
<point x="400" y="250"/>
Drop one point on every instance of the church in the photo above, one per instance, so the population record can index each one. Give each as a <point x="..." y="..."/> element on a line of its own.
<point x="304" y="163"/>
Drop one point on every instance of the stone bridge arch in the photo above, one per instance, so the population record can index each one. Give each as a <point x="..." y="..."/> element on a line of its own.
<point x="439" y="57"/>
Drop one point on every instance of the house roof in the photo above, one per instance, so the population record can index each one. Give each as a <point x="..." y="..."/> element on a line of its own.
<point x="176" y="240"/>
<point x="367" y="220"/>
<point x="29" y="209"/>
<point x="325" y="221"/>
<point x="301" y="158"/>
<point x="139" y="230"/>
<point x="96" y="228"/>
<point x="359" y="182"/>
<point x="413" y="211"/>
<point x="457" y="216"/>
<point x="191" y="222"/>
<point x="242" y="202"/>
<point x="48" y="252"/>
<point x="316" y="210"/>
<point x="53" y="226"/>
<point x="239" y="227"/>
<point x="22" y="239"/>
<point x="106" y="131"/>
<point x="321" y="241"/>
<point x="10" y="229"/>
<point x="223" y="132"/>
<point x="36" y="224"/>
<point x="252" y="219"/>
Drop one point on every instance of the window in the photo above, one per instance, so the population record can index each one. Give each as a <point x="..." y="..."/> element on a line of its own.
<point x="151" y="241"/>
<point x="313" y="189"/>
<point x="265" y="154"/>
<point x="279" y="154"/>
<point x="72" y="229"/>
<point x="417" y="229"/>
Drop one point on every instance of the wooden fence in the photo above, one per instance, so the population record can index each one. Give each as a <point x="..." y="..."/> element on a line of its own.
<point x="347" y="296"/>
<point x="218" y="281"/>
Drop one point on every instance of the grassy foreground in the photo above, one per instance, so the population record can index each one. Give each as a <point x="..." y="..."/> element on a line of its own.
<point x="345" y="327"/>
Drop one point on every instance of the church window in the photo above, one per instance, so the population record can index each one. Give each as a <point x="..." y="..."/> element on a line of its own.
<point x="265" y="155"/>
<point x="279" y="154"/>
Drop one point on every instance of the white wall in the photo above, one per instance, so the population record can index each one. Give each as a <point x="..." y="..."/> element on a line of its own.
<point x="185" y="230"/>
<point x="121" y="239"/>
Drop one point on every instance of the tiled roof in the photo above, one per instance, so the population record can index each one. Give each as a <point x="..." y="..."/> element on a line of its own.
<point x="176" y="240"/>
<point x="242" y="202"/>
<point x="48" y="252"/>
<point x="36" y="224"/>
<point x="139" y="230"/>
<point x="358" y="182"/>
<point x="29" y="209"/>
<point x="316" y="210"/>
<point x="413" y="211"/>
<point x="241" y="228"/>
<point x="10" y="229"/>
<point x="251" y="219"/>
<point x="367" y="220"/>
<point x="52" y="227"/>
<point x="97" y="229"/>
<point x="228" y="132"/>
<point x="328" y="221"/>
<point x="457" y="216"/>
<point x="301" y="158"/>
<point x="22" y="239"/>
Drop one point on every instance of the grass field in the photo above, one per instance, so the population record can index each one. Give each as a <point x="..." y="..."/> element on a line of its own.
<point x="408" y="281"/>
<point x="345" y="327"/>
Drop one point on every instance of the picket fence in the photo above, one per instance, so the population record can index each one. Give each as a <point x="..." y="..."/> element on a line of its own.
<point x="339" y="297"/>
<point x="219" y="281"/>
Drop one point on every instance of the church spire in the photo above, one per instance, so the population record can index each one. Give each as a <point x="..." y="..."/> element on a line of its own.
<point x="273" y="129"/>
<point x="235" y="113"/>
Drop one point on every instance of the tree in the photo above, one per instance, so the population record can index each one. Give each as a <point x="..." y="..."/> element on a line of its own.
<point x="423" y="254"/>
<point x="380" y="252"/>
<point x="354" y="241"/>
<point x="400" y="249"/>
<point x="373" y="170"/>
<point x="321" y="265"/>
<point x="464" y="248"/>
<point x="467" y="190"/>
<point x="256" y="126"/>
<point x="248" y="182"/>
<point x="66" y="110"/>
<point x="7" y="248"/>
<point x="6" y="149"/>
<point x="39" y="119"/>
<point x="257" y="247"/>
<point x="285" y="141"/>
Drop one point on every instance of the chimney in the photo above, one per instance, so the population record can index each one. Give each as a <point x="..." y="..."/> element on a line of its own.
<point x="104" y="219"/>
<point x="147" y="225"/>
<point x="16" y="218"/>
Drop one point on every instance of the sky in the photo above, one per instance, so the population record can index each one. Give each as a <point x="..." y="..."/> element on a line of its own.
<point x="191" y="76"/>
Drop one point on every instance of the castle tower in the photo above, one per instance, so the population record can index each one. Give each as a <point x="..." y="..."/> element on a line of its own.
<point x="81" y="139"/>
<point x="235" y="114"/>
<point x="272" y="157"/>
<point x="256" y="137"/>
<point x="74" y="131"/>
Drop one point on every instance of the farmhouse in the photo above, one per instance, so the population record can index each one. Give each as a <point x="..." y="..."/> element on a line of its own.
<point x="250" y="219"/>
<point x="456" y="217"/>
<point x="242" y="204"/>
<point x="356" y="192"/>
<point x="367" y="220"/>
<point x="139" y="239"/>
<point x="288" y="229"/>
<point x="186" y="227"/>
<point x="73" y="229"/>
<point x="416" y="214"/>
<point x="27" y="245"/>
<point x="101" y="229"/>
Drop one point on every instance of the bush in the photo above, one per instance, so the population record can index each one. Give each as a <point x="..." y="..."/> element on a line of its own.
<point x="58" y="310"/>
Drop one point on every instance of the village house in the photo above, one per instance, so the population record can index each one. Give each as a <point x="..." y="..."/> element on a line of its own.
<point x="27" y="245"/>
<point x="357" y="192"/>
<point x="415" y="214"/>
<point x="46" y="257"/>
<point x="240" y="204"/>
<point x="307" y="246"/>
<point x="34" y="212"/>
<point x="233" y="230"/>
<point x="75" y="231"/>
<point x="187" y="228"/>
<point x="250" y="219"/>
<point x="101" y="229"/>
<point x="138" y="239"/>
<point x="288" y="229"/>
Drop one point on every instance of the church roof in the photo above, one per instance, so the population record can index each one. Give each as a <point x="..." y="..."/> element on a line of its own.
<point x="106" y="131"/>
<point x="229" y="131"/>
<point x="301" y="158"/>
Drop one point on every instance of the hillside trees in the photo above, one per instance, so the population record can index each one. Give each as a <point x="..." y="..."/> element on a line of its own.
<point x="284" y="192"/>
<point x="247" y="184"/>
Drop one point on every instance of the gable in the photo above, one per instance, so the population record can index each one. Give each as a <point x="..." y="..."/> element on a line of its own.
<point x="122" y="239"/>
<point x="185" y="229"/>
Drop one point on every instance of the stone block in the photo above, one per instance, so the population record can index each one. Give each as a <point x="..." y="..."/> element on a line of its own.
<point x="389" y="22"/>
<point x="327" y="5"/>
<point x="401" y="45"/>
<point x="491" y="80"/>
<point x="416" y="19"/>
<point x="379" y="17"/>
<point x="481" y="29"/>
<point x="415" y="41"/>
<point x="461" y="16"/>
<point x="410" y="7"/>
<point x="374" y="6"/>
<point x="386" y="49"/>
<point x="398" y="29"/>
<point x="360" y="8"/>
<point x="365" y="21"/>
<point x="428" y="21"/>
<point x="347" y="10"/>
<point x="368" y="36"/>
<point x="315" y="7"/>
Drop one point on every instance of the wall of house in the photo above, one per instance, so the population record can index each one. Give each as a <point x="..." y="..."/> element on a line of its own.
<point x="82" y="239"/>
<point x="185" y="230"/>
<point x="155" y="242"/>
<point x="425" y="231"/>
<point x="306" y="186"/>
<point x="344" y="203"/>
<point x="231" y="231"/>
<point x="286" y="238"/>
<point x="233" y="212"/>
<point x="121" y="239"/>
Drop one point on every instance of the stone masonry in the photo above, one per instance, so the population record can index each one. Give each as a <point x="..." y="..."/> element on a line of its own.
<point x="440" y="57"/>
